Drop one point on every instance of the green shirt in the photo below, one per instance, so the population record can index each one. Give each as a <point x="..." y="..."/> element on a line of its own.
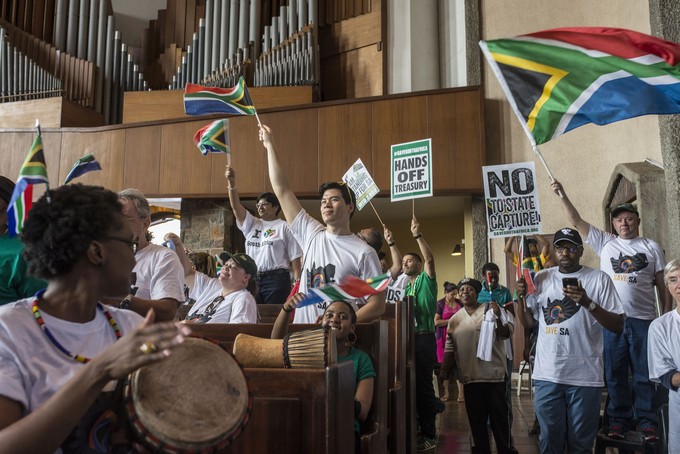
<point x="424" y="290"/>
<point x="15" y="283"/>
<point x="363" y="368"/>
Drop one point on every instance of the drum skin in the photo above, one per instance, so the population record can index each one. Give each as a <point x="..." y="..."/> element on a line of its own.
<point x="195" y="401"/>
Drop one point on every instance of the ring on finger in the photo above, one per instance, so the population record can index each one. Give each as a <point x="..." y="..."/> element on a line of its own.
<point x="148" y="347"/>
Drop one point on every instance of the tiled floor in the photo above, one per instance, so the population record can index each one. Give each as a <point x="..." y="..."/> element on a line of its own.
<point x="454" y="431"/>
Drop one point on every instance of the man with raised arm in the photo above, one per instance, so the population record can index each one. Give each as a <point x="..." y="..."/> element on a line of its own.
<point x="269" y="242"/>
<point x="635" y="265"/>
<point x="330" y="250"/>
<point x="422" y="286"/>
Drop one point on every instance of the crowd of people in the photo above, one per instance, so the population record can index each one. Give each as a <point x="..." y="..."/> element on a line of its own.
<point x="87" y="299"/>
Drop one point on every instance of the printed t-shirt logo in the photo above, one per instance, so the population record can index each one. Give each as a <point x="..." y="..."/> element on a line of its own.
<point x="270" y="233"/>
<point x="558" y="311"/>
<point x="318" y="277"/>
<point x="626" y="264"/>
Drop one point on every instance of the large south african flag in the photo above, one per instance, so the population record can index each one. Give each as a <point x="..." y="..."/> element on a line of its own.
<point x="557" y="80"/>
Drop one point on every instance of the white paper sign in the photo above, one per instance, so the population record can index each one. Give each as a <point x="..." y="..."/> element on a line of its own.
<point x="358" y="178"/>
<point x="511" y="200"/>
<point x="411" y="176"/>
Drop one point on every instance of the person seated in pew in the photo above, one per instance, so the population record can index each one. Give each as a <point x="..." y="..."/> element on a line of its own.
<point x="63" y="354"/>
<point x="340" y="317"/>
<point x="235" y="302"/>
<point x="200" y="279"/>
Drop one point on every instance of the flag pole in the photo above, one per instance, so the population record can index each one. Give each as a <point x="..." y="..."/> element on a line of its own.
<point x="376" y="213"/>
<point x="537" y="152"/>
<point x="257" y="117"/>
<point x="47" y="183"/>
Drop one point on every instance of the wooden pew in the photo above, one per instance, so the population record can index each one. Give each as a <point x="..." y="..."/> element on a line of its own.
<point x="410" y="375"/>
<point x="269" y="312"/>
<point x="371" y="338"/>
<point x="299" y="411"/>
<point x="397" y="335"/>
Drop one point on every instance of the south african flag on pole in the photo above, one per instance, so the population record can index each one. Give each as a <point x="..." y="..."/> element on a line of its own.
<point x="557" y="80"/>
<point x="32" y="172"/>
<point x="199" y="100"/>
<point x="213" y="138"/>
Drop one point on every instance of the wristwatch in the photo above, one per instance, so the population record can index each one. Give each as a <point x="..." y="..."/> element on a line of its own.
<point x="126" y="302"/>
<point x="592" y="306"/>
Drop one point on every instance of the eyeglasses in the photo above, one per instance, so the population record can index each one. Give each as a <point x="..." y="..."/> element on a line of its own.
<point x="132" y="243"/>
<point x="569" y="249"/>
<point x="262" y="204"/>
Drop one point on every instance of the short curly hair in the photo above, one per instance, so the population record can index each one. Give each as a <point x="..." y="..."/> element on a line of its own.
<point x="58" y="231"/>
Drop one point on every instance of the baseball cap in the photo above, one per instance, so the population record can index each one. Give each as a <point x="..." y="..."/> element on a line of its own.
<point x="474" y="283"/>
<point x="569" y="235"/>
<point x="6" y="188"/>
<point x="624" y="207"/>
<point x="242" y="260"/>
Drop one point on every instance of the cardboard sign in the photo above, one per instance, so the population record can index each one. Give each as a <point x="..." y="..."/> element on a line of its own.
<point x="411" y="176"/>
<point x="511" y="200"/>
<point x="358" y="178"/>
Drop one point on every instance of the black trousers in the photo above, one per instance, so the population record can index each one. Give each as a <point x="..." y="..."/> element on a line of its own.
<point x="487" y="402"/>
<point x="426" y="402"/>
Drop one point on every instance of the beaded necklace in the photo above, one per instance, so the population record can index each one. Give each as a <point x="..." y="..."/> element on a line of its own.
<point x="55" y="342"/>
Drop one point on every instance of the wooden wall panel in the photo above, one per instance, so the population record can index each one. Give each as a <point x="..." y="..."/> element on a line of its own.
<point x="297" y="143"/>
<point x="142" y="159"/>
<point x="140" y="106"/>
<point x="22" y="114"/>
<point x="109" y="149"/>
<point x="455" y="124"/>
<point x="184" y="170"/>
<point x="315" y="144"/>
<point x="344" y="137"/>
<point x="395" y="121"/>
<point x="352" y="74"/>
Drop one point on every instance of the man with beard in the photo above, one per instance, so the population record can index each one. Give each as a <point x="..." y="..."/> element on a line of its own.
<point x="422" y="286"/>
<point x="568" y="367"/>
<point x="635" y="265"/>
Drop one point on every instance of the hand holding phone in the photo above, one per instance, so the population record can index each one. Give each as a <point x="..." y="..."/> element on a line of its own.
<point x="567" y="281"/>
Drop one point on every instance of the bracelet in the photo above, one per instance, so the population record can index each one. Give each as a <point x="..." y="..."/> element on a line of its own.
<point x="420" y="235"/>
<point x="230" y="188"/>
<point x="286" y="311"/>
<point x="391" y="244"/>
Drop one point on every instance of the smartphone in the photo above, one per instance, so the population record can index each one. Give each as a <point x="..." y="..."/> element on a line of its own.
<point x="566" y="281"/>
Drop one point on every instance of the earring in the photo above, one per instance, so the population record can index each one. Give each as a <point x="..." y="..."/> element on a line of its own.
<point x="352" y="340"/>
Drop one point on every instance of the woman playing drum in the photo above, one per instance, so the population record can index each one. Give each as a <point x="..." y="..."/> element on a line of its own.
<point x="340" y="317"/>
<point x="78" y="240"/>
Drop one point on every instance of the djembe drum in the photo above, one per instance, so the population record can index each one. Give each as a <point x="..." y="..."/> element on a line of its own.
<point x="314" y="348"/>
<point x="195" y="401"/>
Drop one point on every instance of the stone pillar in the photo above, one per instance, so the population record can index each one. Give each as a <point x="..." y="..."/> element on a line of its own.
<point x="480" y="252"/>
<point x="663" y="16"/>
<point x="207" y="225"/>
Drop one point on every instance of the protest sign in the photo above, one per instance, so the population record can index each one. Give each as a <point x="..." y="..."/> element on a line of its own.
<point x="511" y="200"/>
<point x="411" y="176"/>
<point x="358" y="178"/>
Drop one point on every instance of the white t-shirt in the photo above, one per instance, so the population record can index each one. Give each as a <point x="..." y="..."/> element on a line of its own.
<point x="159" y="274"/>
<point x="270" y="243"/>
<point x="396" y="289"/>
<point x="663" y="355"/>
<point x="32" y="369"/>
<point x="236" y="307"/>
<point x="632" y="265"/>
<point x="570" y="344"/>
<point x="327" y="258"/>
<point x="205" y="288"/>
